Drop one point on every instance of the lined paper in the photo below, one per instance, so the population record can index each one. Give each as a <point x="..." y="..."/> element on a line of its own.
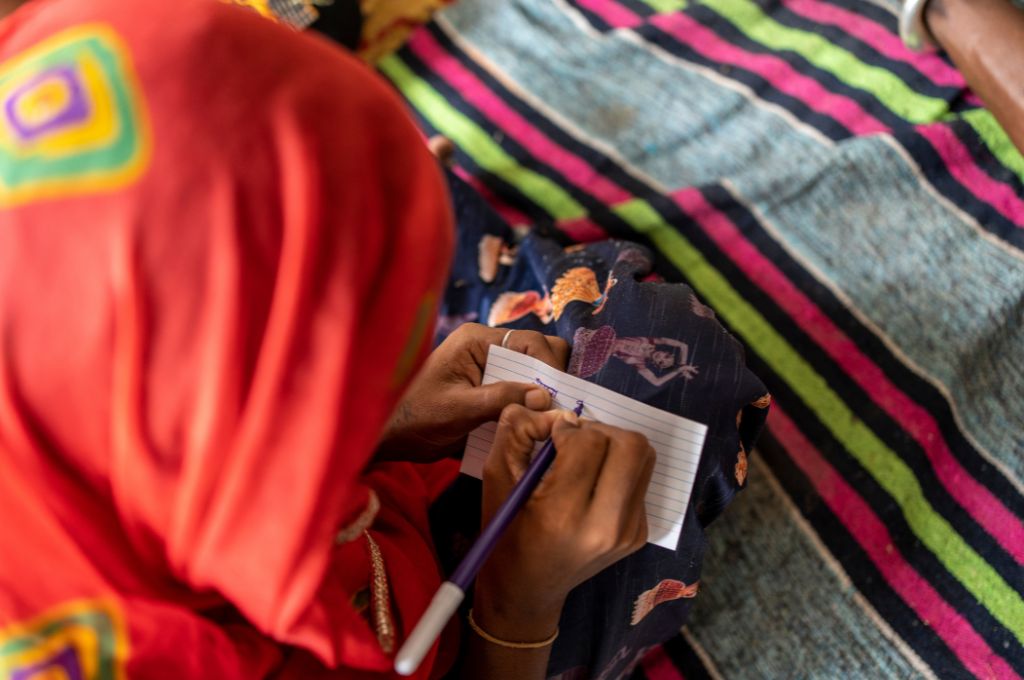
<point x="677" y="440"/>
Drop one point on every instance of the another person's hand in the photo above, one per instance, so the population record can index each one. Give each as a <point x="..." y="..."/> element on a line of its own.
<point x="446" y="400"/>
<point x="587" y="513"/>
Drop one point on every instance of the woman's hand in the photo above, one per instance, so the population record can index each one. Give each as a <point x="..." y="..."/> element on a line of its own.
<point x="446" y="400"/>
<point x="985" y="39"/>
<point x="586" y="514"/>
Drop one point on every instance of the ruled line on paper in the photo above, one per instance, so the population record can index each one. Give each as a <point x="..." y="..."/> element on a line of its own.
<point x="678" y="441"/>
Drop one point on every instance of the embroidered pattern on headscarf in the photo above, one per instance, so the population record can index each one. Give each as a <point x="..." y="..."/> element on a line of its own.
<point x="73" y="118"/>
<point x="82" y="639"/>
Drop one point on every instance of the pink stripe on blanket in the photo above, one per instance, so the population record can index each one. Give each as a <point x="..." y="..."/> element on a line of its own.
<point x="878" y="37"/>
<point x="575" y="169"/>
<point x="613" y="14"/>
<point x="508" y="212"/>
<point x="976" y="499"/>
<point x="869" y="531"/>
<point x="658" y="666"/>
<point x="962" y="166"/>
<point x="779" y="74"/>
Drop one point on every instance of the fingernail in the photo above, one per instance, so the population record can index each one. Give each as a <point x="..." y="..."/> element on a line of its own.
<point x="571" y="418"/>
<point x="538" y="399"/>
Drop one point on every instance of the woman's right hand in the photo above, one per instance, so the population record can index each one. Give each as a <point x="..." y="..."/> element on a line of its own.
<point x="587" y="513"/>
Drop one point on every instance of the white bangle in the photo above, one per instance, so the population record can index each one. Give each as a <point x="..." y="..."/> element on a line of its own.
<point x="913" y="29"/>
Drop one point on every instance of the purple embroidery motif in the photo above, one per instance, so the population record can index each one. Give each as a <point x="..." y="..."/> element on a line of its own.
<point x="66" y="660"/>
<point x="76" y="109"/>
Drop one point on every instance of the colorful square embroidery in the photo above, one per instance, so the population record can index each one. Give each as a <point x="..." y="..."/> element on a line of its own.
<point x="84" y="640"/>
<point x="71" y="118"/>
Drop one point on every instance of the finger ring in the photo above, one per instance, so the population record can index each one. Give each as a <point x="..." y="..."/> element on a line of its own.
<point x="504" y="341"/>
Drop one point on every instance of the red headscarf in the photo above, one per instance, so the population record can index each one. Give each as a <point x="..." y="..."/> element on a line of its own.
<point x="208" y="308"/>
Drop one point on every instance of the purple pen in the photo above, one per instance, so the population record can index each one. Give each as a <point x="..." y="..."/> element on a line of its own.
<point x="453" y="591"/>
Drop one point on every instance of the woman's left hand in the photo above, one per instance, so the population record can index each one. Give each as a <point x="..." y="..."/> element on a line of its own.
<point x="446" y="400"/>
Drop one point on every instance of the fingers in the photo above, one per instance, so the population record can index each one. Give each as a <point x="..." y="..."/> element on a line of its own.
<point x="628" y="458"/>
<point x="478" y="405"/>
<point x="604" y="472"/>
<point x="635" y="531"/>
<point x="619" y="497"/>
<point x="553" y="351"/>
<point x="478" y="338"/>
<point x="588" y="511"/>
<point x="519" y="430"/>
<point x="581" y="453"/>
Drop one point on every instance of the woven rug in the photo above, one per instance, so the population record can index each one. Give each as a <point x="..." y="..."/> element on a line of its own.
<point x="856" y="217"/>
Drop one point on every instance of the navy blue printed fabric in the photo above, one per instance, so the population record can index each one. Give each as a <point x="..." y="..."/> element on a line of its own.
<point x="632" y="333"/>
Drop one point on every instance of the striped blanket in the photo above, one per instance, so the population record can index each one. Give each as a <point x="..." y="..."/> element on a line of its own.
<point x="856" y="217"/>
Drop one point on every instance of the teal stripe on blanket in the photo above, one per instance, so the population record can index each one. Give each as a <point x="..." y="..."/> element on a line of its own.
<point x="856" y="216"/>
<point x="692" y="131"/>
<point x="949" y="298"/>
<point x="740" y="626"/>
<point x="679" y="125"/>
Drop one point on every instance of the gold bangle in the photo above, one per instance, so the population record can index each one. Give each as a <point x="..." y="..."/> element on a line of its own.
<point x="505" y="643"/>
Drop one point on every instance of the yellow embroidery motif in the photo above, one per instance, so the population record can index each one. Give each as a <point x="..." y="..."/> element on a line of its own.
<point x="295" y="13"/>
<point x="71" y="118"/>
<point x="81" y="640"/>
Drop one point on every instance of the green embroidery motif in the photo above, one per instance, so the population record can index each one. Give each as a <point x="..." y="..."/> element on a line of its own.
<point x="84" y="639"/>
<point x="71" y="118"/>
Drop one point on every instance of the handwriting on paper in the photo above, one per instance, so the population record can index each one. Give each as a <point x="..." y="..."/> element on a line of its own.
<point x="677" y="440"/>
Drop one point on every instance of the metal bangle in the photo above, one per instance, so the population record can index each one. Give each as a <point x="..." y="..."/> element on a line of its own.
<point x="506" y="643"/>
<point x="913" y="29"/>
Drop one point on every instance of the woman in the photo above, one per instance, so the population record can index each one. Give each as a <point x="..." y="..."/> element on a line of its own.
<point x="221" y="248"/>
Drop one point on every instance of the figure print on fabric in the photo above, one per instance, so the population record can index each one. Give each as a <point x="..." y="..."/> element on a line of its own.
<point x="700" y="309"/>
<point x="666" y="591"/>
<point x="740" y="470"/>
<point x="579" y="284"/>
<point x="592" y="349"/>
<point x="741" y="466"/>
<point x="73" y="118"/>
<point x="646" y="325"/>
<point x="80" y="640"/>
<point x="511" y="307"/>
<point x="493" y="252"/>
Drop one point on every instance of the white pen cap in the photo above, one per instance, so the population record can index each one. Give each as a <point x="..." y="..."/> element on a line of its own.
<point x="447" y="599"/>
